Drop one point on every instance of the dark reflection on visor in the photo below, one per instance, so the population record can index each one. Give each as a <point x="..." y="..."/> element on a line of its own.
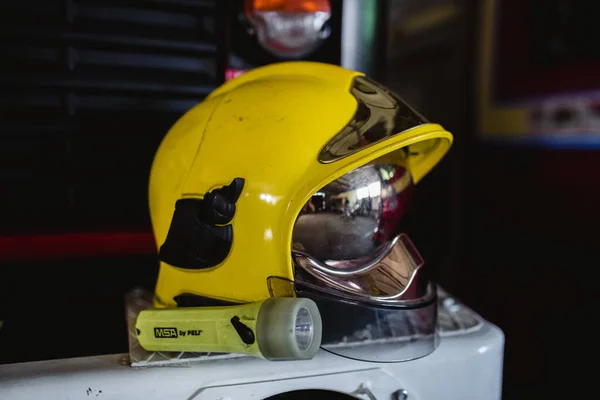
<point x="377" y="334"/>
<point x="380" y="114"/>
<point x="365" y="331"/>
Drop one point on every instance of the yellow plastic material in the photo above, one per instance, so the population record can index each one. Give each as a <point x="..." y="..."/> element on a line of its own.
<point x="268" y="127"/>
<point x="198" y="329"/>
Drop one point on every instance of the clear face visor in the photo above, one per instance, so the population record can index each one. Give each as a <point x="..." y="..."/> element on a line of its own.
<point x="352" y="258"/>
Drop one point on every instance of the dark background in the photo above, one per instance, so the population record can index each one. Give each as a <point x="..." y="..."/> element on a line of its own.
<point x="522" y="238"/>
<point x="90" y="87"/>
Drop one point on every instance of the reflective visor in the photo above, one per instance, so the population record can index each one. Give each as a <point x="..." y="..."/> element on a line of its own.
<point x="347" y="236"/>
<point x="352" y="258"/>
<point x="349" y="251"/>
<point x="389" y="276"/>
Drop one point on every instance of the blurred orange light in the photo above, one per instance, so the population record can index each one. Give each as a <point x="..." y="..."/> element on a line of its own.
<point x="310" y="6"/>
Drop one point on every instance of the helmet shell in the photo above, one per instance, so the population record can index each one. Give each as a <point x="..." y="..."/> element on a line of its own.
<point x="268" y="127"/>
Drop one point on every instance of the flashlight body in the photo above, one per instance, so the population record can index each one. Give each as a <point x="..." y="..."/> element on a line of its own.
<point x="275" y="329"/>
<point x="223" y="329"/>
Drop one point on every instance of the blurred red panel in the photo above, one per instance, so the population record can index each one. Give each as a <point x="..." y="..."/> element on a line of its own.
<point x="45" y="247"/>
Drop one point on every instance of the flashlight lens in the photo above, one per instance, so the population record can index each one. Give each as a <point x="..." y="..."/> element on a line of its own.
<point x="304" y="329"/>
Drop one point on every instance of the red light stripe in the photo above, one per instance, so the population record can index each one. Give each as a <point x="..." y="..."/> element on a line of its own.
<point x="43" y="247"/>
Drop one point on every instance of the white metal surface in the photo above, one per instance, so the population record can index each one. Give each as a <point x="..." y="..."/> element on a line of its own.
<point x="464" y="367"/>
